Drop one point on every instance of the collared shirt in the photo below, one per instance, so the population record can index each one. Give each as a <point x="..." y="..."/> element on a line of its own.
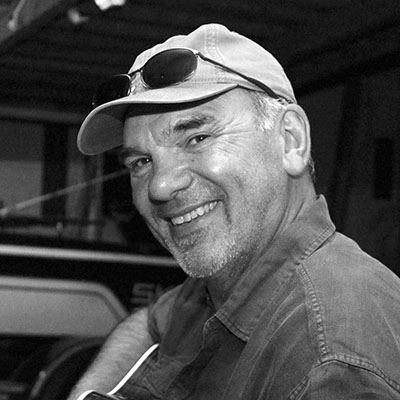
<point x="314" y="318"/>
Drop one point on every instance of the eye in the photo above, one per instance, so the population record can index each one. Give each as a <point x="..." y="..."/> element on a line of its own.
<point x="198" y="138"/>
<point x="137" y="166"/>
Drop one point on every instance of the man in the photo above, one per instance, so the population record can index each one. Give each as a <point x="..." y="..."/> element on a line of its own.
<point x="277" y="305"/>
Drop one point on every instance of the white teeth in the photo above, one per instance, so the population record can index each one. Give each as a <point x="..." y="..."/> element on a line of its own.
<point x="179" y="220"/>
<point x="190" y="216"/>
<point x="193" y="214"/>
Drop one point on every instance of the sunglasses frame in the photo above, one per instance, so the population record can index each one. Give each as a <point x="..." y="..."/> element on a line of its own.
<point x="128" y="77"/>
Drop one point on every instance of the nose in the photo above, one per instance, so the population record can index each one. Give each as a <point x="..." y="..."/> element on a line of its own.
<point x="170" y="176"/>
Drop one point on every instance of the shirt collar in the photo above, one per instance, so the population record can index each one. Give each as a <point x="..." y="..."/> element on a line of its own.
<point x="242" y="310"/>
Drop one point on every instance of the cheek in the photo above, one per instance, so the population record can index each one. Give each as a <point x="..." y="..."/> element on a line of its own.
<point x="220" y="161"/>
<point x="140" y="197"/>
<point x="141" y="201"/>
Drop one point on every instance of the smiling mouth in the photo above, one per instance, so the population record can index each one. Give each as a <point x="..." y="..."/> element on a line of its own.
<point x="196" y="213"/>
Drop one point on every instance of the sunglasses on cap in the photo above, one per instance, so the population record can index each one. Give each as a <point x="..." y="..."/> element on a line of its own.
<point x="164" y="69"/>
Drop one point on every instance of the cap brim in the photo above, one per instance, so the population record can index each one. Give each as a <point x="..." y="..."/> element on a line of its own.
<point x="102" y="128"/>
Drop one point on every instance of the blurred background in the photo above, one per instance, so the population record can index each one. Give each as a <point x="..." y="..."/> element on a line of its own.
<point x="87" y="242"/>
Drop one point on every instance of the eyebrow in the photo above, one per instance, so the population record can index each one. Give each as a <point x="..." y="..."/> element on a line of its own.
<point x="194" y="122"/>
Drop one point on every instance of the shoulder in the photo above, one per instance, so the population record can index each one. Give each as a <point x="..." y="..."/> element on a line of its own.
<point x="337" y="379"/>
<point x="340" y="270"/>
<point x="354" y="302"/>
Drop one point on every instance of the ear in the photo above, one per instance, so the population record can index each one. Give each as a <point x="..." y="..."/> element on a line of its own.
<point x="295" y="133"/>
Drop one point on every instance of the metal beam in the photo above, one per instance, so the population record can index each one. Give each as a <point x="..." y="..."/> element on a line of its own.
<point x="26" y="17"/>
<point x="86" y="255"/>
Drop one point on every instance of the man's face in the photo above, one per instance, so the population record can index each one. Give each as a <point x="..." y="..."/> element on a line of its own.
<point x="208" y="182"/>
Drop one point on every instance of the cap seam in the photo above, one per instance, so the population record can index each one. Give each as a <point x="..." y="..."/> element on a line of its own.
<point x="212" y="41"/>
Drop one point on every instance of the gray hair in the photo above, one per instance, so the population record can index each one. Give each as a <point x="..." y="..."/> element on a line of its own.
<point x="267" y="111"/>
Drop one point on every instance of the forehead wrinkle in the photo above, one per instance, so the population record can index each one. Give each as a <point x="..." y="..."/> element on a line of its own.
<point x="184" y="124"/>
<point x="177" y="126"/>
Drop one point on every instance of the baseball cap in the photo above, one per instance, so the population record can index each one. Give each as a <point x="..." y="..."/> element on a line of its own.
<point x="102" y="128"/>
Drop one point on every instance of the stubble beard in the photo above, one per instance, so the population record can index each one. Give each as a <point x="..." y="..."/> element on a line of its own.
<point x="200" y="257"/>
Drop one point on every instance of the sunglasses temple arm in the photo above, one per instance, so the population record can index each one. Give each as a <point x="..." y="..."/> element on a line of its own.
<point x="256" y="82"/>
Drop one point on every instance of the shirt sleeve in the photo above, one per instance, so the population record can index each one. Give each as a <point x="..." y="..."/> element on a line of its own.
<point x="335" y="380"/>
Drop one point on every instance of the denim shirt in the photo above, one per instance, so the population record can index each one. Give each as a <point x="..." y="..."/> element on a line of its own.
<point x="314" y="318"/>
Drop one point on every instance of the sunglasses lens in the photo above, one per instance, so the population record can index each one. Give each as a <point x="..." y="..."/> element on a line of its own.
<point x="169" y="67"/>
<point x="112" y="89"/>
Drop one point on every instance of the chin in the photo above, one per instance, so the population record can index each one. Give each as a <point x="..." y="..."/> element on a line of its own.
<point x="203" y="263"/>
<point x="195" y="268"/>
